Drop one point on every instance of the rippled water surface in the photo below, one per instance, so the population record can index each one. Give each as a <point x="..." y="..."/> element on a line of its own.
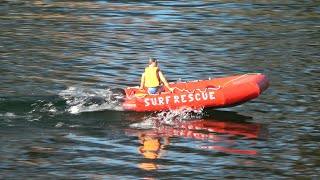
<point x="60" y="60"/>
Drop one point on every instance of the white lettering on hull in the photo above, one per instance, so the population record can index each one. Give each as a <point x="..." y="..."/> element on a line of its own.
<point x="183" y="98"/>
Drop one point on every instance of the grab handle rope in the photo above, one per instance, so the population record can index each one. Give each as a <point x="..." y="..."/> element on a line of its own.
<point x="205" y="90"/>
<point x="238" y="78"/>
<point x="181" y="90"/>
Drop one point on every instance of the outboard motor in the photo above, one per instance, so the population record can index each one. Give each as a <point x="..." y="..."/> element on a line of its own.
<point x="118" y="94"/>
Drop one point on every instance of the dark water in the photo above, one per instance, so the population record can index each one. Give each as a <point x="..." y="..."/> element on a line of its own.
<point x="59" y="60"/>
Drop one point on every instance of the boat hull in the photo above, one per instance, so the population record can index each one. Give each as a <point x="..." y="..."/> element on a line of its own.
<point x="215" y="93"/>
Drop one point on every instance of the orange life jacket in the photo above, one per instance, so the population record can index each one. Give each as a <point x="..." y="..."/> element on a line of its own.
<point x="151" y="77"/>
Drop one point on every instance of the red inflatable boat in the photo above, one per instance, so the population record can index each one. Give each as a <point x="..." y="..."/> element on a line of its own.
<point x="211" y="93"/>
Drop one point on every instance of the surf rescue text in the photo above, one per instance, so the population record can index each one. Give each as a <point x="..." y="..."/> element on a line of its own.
<point x="182" y="98"/>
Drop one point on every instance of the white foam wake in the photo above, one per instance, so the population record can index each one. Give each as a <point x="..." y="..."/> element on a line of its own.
<point x="87" y="100"/>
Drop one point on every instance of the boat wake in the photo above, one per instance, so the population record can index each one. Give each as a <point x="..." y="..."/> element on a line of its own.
<point x="80" y="100"/>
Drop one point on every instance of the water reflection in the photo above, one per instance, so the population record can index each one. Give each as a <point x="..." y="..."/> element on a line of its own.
<point x="228" y="136"/>
<point x="153" y="146"/>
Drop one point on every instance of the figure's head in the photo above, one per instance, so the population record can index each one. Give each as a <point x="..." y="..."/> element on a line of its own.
<point x="153" y="62"/>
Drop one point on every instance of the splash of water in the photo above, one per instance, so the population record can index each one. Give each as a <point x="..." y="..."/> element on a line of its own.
<point x="88" y="100"/>
<point x="43" y="106"/>
<point x="168" y="118"/>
